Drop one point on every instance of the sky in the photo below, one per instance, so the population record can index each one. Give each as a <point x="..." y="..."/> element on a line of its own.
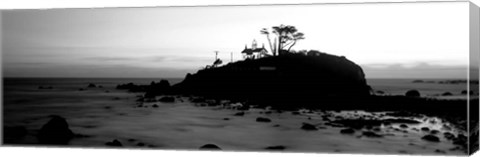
<point x="398" y="40"/>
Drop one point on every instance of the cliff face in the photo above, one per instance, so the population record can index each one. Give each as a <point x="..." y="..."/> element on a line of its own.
<point x="286" y="78"/>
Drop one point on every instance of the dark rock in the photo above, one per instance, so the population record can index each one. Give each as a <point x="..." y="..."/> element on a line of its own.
<point x="100" y="86"/>
<point x="448" y="135"/>
<point x="114" y="143"/>
<point x="295" y="113"/>
<point x="371" y="134"/>
<point x="275" y="148"/>
<point x="140" y="144"/>
<point x="91" y="85"/>
<point x="425" y="129"/>
<point x="434" y="132"/>
<point x="81" y="89"/>
<point x="417" y="81"/>
<point x="347" y="131"/>
<point x="276" y="125"/>
<point x="308" y="127"/>
<point x="167" y="99"/>
<point x="464" y="92"/>
<point x="41" y="87"/>
<point x="156" y="89"/>
<point x="447" y="94"/>
<point x="440" y="151"/>
<point x="403" y="126"/>
<point x="376" y="129"/>
<point x="262" y="119"/>
<point x="155" y="106"/>
<point x="239" y="114"/>
<point x="431" y="138"/>
<point x="210" y="147"/>
<point x="226" y="118"/>
<point x="55" y="132"/>
<point x="132" y="87"/>
<point x="412" y="93"/>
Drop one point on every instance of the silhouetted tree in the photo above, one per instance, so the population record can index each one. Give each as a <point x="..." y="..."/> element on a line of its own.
<point x="286" y="36"/>
<point x="266" y="32"/>
<point x="217" y="62"/>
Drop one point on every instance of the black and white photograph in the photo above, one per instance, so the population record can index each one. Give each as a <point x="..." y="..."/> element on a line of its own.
<point x="373" y="78"/>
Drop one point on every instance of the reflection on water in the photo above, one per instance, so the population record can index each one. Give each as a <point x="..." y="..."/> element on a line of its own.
<point x="97" y="117"/>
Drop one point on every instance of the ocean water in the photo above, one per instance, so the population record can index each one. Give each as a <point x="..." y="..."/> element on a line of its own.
<point x="430" y="87"/>
<point x="100" y="115"/>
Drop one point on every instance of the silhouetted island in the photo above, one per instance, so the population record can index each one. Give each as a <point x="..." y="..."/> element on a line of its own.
<point x="288" y="78"/>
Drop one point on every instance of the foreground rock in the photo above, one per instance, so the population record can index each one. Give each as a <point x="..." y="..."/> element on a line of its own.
<point x="275" y="148"/>
<point x="114" y="143"/>
<point x="413" y="93"/>
<point x="308" y="127"/>
<point x="91" y="85"/>
<point x="431" y="138"/>
<point x="210" y="147"/>
<point x="262" y="119"/>
<point x="371" y="134"/>
<point x="55" y="132"/>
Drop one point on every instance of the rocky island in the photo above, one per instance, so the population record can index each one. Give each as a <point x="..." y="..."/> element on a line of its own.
<point x="285" y="79"/>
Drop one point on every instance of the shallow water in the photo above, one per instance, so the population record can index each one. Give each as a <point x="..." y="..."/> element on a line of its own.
<point x="98" y="117"/>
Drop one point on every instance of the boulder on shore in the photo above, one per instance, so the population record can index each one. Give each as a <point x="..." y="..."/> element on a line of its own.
<point x="91" y="85"/>
<point x="114" y="143"/>
<point x="308" y="127"/>
<point x="262" y="119"/>
<point x="210" y="147"/>
<point x="431" y="138"/>
<point x="55" y="132"/>
<point x="412" y="93"/>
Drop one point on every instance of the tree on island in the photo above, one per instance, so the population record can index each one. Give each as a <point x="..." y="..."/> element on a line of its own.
<point x="285" y="36"/>
<point x="217" y="62"/>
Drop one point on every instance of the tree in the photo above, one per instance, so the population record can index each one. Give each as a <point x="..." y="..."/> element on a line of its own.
<point x="286" y="36"/>
<point x="217" y="62"/>
<point x="267" y="33"/>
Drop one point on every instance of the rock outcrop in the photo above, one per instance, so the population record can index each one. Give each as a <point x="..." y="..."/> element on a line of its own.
<point x="289" y="78"/>
<point x="55" y="132"/>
